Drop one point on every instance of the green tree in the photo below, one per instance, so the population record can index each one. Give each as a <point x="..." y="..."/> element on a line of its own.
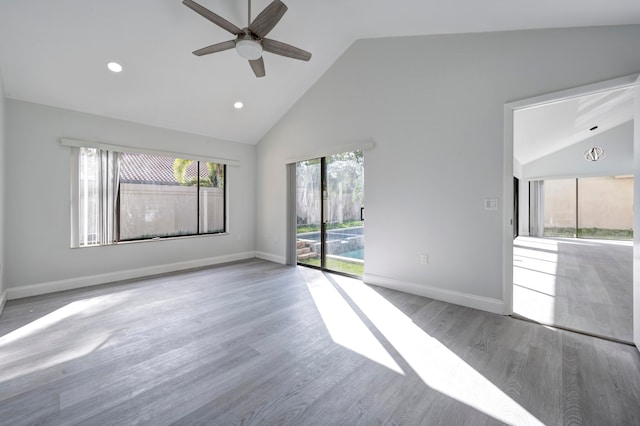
<point x="180" y="169"/>
<point x="214" y="178"/>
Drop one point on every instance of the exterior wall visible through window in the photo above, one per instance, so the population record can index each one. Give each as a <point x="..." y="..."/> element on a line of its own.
<point x="592" y="207"/>
<point x="122" y="196"/>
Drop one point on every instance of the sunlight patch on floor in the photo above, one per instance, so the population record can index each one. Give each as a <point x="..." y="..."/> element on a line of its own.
<point x="537" y="243"/>
<point x="46" y="342"/>
<point x="534" y="305"/>
<point x="17" y="367"/>
<point x="439" y="368"/>
<point x="80" y="307"/>
<point x="343" y="324"/>
<point x="535" y="277"/>
<point x="537" y="281"/>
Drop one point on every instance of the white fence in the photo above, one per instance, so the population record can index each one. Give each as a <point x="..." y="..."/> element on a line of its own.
<point x="162" y="210"/>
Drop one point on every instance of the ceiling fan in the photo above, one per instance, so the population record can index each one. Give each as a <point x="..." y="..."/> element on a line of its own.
<point x="250" y="42"/>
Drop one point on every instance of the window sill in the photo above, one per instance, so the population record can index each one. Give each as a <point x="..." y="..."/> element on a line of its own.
<point x="153" y="240"/>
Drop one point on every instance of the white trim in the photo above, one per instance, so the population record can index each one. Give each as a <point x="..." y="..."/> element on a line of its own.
<point x="507" y="212"/>
<point x="3" y="300"/>
<point x="74" y="201"/>
<point x="636" y="218"/>
<point x="450" y="296"/>
<point x="87" y="281"/>
<point x="509" y="109"/>
<point x="271" y="257"/>
<point x="111" y="147"/>
<point x="627" y="81"/>
<point x="331" y="150"/>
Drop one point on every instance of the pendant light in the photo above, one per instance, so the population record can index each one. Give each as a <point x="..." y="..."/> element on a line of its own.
<point x="596" y="153"/>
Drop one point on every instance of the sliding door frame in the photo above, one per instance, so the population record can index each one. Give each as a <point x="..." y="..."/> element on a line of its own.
<point x="292" y="217"/>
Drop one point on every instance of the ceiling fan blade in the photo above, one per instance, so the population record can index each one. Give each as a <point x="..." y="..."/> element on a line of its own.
<point x="216" y="19"/>
<point x="284" y="49"/>
<point x="267" y="19"/>
<point x="258" y="67"/>
<point x="218" y="47"/>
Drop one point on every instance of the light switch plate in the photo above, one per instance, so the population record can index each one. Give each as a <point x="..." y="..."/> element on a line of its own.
<point x="491" y="204"/>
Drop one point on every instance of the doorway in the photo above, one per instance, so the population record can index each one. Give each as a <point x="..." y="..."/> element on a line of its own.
<point x="550" y="255"/>
<point x="330" y="213"/>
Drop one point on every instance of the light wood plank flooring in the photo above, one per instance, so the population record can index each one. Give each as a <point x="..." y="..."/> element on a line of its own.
<point x="259" y="343"/>
<point x="583" y="285"/>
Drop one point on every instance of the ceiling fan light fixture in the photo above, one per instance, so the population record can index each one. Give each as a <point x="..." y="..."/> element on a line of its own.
<point x="251" y="40"/>
<point x="249" y="49"/>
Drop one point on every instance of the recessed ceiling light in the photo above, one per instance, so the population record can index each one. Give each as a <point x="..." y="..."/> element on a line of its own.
<point x="114" y="66"/>
<point x="238" y="105"/>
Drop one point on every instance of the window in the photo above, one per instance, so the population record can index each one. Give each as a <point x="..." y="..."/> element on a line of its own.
<point x="594" y="207"/>
<point x="124" y="196"/>
<point x="560" y="208"/>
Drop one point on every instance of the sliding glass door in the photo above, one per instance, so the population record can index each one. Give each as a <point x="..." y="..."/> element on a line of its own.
<point x="344" y="213"/>
<point x="330" y="213"/>
<point x="605" y="207"/>
<point x="594" y="207"/>
<point x="309" y="212"/>
<point x="560" y="212"/>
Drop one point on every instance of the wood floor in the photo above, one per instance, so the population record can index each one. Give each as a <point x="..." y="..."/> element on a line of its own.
<point x="257" y="343"/>
<point x="583" y="285"/>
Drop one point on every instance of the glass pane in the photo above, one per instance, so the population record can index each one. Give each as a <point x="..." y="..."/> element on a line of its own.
<point x="158" y="196"/>
<point x="345" y="198"/>
<point x="560" y="208"/>
<point x="89" y="193"/>
<point x="308" y="212"/>
<point x="212" y="198"/>
<point x="605" y="207"/>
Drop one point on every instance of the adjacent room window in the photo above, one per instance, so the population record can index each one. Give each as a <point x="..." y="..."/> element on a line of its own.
<point x="594" y="207"/>
<point x="124" y="196"/>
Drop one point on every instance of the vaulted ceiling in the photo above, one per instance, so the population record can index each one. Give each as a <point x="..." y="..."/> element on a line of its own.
<point x="545" y="129"/>
<point x="55" y="52"/>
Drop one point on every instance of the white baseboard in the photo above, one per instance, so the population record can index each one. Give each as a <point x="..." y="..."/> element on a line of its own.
<point x="495" y="306"/>
<point x="271" y="257"/>
<point x="3" y="300"/>
<point x="87" y="281"/>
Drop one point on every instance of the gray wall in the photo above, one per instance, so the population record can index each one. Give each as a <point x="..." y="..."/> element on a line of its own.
<point x="2" y="191"/>
<point x="38" y="255"/>
<point x="569" y="162"/>
<point x="434" y="106"/>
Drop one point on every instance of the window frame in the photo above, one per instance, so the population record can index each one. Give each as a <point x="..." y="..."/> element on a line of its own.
<point x="115" y="210"/>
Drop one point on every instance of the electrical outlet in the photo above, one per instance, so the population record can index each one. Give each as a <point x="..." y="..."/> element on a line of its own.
<point x="424" y="259"/>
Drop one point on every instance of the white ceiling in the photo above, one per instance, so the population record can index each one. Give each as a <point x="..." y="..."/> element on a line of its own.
<point x="544" y="129"/>
<point x="54" y="52"/>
